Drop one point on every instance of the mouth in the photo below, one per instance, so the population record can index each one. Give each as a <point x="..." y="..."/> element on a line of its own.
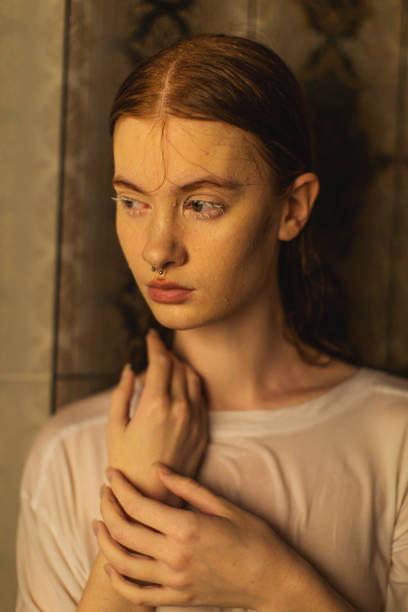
<point x="166" y="285"/>
<point x="169" y="293"/>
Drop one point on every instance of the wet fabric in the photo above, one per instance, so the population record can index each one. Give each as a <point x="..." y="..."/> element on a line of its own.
<point x="330" y="474"/>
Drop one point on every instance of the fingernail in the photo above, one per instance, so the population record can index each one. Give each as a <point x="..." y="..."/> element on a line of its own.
<point x="108" y="570"/>
<point x="95" y="527"/>
<point x="109" y="473"/>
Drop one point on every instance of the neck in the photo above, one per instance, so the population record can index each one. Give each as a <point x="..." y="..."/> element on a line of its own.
<point x="243" y="359"/>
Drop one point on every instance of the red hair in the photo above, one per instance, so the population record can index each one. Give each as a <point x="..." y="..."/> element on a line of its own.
<point x="216" y="77"/>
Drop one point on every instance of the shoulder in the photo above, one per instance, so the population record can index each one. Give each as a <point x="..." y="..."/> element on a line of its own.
<point x="388" y="391"/>
<point x="70" y="440"/>
<point x="379" y="404"/>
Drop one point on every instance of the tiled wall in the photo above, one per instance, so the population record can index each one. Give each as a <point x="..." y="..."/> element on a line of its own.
<point x="351" y="63"/>
<point x="64" y="336"/>
<point x="31" y="52"/>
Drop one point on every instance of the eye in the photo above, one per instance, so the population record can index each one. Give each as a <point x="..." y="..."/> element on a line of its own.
<point x="132" y="207"/>
<point x="205" y="209"/>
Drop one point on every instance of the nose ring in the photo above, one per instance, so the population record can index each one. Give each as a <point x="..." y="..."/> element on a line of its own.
<point x="160" y="271"/>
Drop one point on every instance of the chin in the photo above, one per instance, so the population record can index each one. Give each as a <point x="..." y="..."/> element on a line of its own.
<point x="179" y="318"/>
<point x="177" y="322"/>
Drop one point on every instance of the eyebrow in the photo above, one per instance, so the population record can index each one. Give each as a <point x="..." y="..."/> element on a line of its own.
<point x="210" y="181"/>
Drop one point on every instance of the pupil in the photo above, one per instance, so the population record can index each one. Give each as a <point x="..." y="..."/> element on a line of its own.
<point x="197" y="206"/>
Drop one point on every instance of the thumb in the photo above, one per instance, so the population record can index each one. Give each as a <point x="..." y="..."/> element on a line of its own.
<point x="121" y="396"/>
<point x="195" y="494"/>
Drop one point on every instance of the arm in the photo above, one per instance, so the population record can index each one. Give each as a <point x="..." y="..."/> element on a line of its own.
<point x="170" y="425"/>
<point x="200" y="558"/>
<point x="99" y="596"/>
<point x="306" y="591"/>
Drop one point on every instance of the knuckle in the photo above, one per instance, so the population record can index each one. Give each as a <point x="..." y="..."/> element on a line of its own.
<point x="180" y="581"/>
<point x="186" y="598"/>
<point x="158" y="404"/>
<point x="122" y="566"/>
<point x="179" y="560"/>
<point x="116" y="532"/>
<point x="188" y="532"/>
<point x="181" y="409"/>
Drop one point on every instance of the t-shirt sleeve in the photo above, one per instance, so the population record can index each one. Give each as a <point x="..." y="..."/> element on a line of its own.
<point x="397" y="595"/>
<point x="52" y="558"/>
<point x="46" y="578"/>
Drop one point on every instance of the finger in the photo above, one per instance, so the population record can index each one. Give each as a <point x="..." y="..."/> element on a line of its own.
<point x="197" y="402"/>
<point x="145" y="510"/>
<point x="128" y="533"/>
<point x="178" y="387"/>
<point x="198" y="496"/>
<point x="120" y="399"/>
<point x="158" y="373"/>
<point x="126" y="562"/>
<point x="193" y="386"/>
<point x="145" y="596"/>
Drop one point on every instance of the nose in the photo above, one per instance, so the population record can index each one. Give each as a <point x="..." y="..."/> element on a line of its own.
<point x="164" y="241"/>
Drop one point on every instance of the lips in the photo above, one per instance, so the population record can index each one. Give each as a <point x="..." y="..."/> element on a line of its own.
<point x="166" y="292"/>
<point x="167" y="285"/>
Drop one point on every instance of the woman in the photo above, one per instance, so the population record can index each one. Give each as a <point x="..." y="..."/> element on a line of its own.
<point x="302" y="457"/>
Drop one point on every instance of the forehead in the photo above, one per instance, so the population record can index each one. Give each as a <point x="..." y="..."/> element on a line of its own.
<point x="178" y="150"/>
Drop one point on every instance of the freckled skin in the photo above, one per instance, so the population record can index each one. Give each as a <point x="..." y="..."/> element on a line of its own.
<point x="227" y="259"/>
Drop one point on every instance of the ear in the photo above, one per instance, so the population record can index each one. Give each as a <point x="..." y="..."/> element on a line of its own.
<point x="298" y="205"/>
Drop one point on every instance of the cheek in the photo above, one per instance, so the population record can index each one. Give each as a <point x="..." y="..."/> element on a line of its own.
<point x="240" y="259"/>
<point x="128" y="240"/>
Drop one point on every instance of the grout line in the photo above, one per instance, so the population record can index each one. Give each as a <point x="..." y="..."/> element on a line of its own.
<point x="62" y="152"/>
<point x="397" y="203"/>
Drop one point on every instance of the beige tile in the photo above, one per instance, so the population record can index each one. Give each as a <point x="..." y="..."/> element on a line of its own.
<point x="32" y="41"/>
<point x="24" y="408"/>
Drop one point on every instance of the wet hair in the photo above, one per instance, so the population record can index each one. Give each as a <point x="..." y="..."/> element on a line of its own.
<point x="216" y="77"/>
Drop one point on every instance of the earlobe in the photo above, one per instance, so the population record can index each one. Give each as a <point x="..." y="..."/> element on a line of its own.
<point x="297" y="205"/>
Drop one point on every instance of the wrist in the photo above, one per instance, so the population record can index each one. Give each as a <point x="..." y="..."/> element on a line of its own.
<point x="305" y="590"/>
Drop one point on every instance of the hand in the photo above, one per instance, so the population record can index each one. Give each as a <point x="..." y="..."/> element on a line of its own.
<point x="223" y="556"/>
<point x="170" y="423"/>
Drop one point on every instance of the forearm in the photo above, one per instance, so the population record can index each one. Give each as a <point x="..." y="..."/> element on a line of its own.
<point x="306" y="591"/>
<point x="99" y="596"/>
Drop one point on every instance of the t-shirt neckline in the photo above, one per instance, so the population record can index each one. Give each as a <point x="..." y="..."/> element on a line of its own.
<point x="295" y="417"/>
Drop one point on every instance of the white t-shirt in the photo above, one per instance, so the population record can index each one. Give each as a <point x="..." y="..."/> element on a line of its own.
<point x="330" y="474"/>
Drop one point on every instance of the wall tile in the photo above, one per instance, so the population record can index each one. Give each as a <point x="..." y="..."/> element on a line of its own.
<point x="90" y="334"/>
<point x="24" y="410"/>
<point x="30" y="126"/>
<point x="31" y="47"/>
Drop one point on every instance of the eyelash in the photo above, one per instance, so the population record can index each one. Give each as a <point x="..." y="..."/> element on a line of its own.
<point x="201" y="215"/>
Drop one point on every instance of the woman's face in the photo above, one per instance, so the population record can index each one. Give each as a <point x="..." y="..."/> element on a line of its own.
<point x="197" y="197"/>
